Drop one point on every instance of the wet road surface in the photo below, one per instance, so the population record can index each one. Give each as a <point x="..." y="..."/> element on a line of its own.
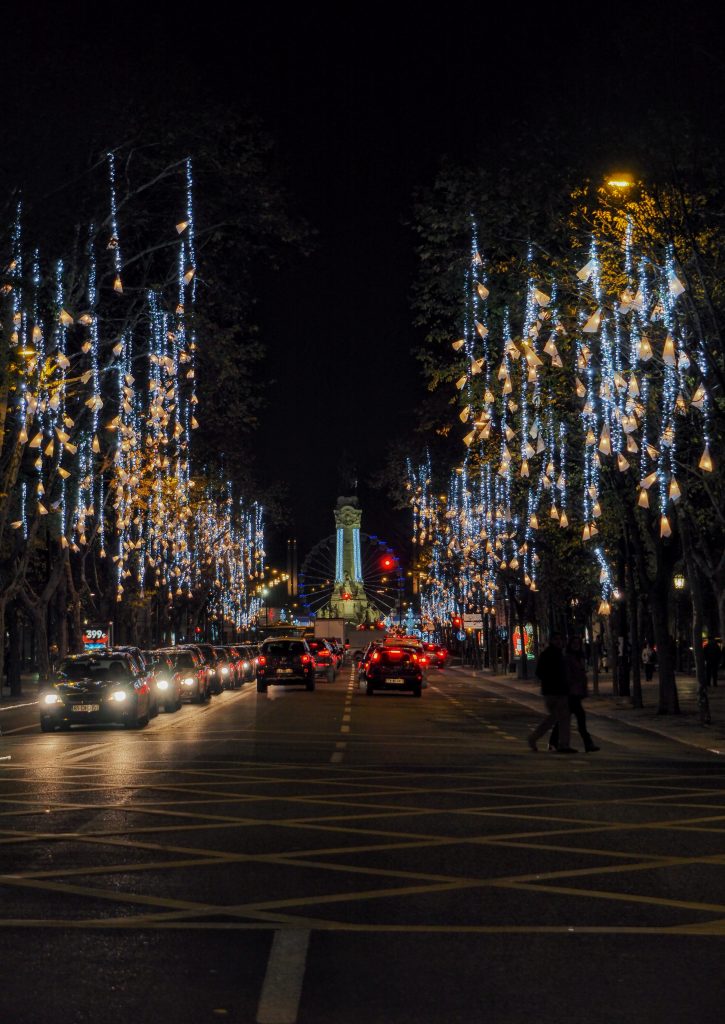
<point x="330" y="856"/>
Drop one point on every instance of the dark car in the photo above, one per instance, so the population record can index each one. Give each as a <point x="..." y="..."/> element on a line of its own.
<point x="394" y="668"/>
<point x="283" y="661"/>
<point x="225" y="667"/>
<point x="438" y="654"/>
<point x="102" y="687"/>
<point x="209" y="658"/>
<point x="191" y="673"/>
<point x="324" y="657"/>
<point x="246" y="666"/>
<point x="163" y="680"/>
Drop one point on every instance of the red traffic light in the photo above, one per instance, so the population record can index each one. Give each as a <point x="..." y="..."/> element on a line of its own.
<point x="387" y="562"/>
<point x="456" y="620"/>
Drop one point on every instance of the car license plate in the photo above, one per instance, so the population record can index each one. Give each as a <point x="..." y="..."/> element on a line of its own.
<point x="85" y="707"/>
<point x="396" y="681"/>
<point x="284" y="671"/>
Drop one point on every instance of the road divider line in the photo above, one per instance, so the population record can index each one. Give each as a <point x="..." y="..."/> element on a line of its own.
<point x="14" y="707"/>
<point x="282" y="987"/>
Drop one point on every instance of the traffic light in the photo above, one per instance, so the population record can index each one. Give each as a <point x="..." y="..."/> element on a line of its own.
<point x="387" y="562"/>
<point x="457" y="621"/>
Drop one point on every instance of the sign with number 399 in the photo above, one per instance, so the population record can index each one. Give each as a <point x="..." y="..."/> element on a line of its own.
<point x="95" y="637"/>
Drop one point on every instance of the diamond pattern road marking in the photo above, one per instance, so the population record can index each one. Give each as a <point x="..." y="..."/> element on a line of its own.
<point x="355" y="803"/>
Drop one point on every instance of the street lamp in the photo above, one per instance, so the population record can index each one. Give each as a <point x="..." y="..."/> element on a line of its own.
<point x="678" y="582"/>
<point x="620" y="180"/>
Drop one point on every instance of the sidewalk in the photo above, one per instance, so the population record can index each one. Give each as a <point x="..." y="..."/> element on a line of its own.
<point x="29" y="684"/>
<point x="683" y="728"/>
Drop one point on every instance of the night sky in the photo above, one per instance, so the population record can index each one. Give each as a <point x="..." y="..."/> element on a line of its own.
<point x="363" y="105"/>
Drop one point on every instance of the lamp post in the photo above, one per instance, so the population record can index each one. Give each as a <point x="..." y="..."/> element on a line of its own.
<point x="678" y="582"/>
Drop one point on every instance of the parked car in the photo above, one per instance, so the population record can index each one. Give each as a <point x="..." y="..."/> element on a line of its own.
<point x="99" y="688"/>
<point x="162" y="679"/>
<point x="394" y="667"/>
<point x="285" y="660"/>
<point x="324" y="658"/>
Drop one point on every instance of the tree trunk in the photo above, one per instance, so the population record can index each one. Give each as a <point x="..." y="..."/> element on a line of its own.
<point x="634" y="639"/>
<point x="75" y="609"/>
<point x="668" y="703"/>
<point x="14" y="660"/>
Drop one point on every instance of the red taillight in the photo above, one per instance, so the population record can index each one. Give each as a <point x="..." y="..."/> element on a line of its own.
<point x="414" y="657"/>
<point x="323" y="654"/>
<point x="424" y="660"/>
<point x="442" y="655"/>
<point x="394" y="650"/>
<point x="375" y="656"/>
<point x="261" y="660"/>
<point x="305" y="659"/>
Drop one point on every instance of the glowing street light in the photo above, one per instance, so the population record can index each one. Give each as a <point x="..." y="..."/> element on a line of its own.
<point x="620" y="180"/>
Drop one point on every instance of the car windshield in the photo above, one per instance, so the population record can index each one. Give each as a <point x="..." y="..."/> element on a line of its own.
<point x="284" y="647"/>
<point x="184" y="659"/>
<point x="98" y="670"/>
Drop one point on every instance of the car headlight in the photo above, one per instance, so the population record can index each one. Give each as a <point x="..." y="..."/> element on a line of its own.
<point x="225" y="671"/>
<point x="119" y="695"/>
<point x="189" y="681"/>
<point x="52" y="698"/>
<point x="162" y="684"/>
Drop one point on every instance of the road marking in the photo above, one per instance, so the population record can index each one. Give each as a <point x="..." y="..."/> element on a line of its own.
<point x="282" y="988"/>
<point x="84" y="753"/>
<point x="12" y="707"/>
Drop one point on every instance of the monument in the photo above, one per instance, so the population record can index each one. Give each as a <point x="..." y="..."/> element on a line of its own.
<point x="349" y="600"/>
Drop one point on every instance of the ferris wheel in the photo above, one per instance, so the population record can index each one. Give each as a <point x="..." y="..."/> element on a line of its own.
<point x="380" y="572"/>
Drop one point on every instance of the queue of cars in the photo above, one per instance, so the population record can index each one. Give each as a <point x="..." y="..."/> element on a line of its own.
<point x="128" y="686"/>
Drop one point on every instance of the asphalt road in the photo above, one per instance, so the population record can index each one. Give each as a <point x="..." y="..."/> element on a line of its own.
<point x="332" y="857"/>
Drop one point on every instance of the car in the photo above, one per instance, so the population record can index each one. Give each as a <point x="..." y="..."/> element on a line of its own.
<point x="438" y="654"/>
<point x="163" y="680"/>
<point x="139" y="658"/>
<point x="394" y="667"/>
<point x="101" y="687"/>
<point x="226" y="672"/>
<point x="324" y="658"/>
<point x="285" y="660"/>
<point x="414" y="644"/>
<point x="365" y="657"/>
<point x="190" y="670"/>
<point x="247" y="663"/>
<point x="209" y="658"/>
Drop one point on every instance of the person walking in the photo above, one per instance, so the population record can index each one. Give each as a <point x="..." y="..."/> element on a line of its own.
<point x="576" y="675"/>
<point x="648" y="660"/>
<point x="713" y="656"/>
<point x="551" y="671"/>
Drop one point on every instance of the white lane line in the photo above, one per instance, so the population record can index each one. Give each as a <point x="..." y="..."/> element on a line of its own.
<point x="282" y="988"/>
<point x="337" y="757"/>
<point x="84" y="753"/>
<point x="344" y="728"/>
<point x="12" y="707"/>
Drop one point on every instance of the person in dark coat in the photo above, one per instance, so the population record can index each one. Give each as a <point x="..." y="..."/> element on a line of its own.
<point x="551" y="670"/>
<point x="713" y="657"/>
<point x="576" y="675"/>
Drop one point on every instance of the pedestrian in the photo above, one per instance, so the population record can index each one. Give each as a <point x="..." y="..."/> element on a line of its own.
<point x="713" y="657"/>
<point x="551" y="670"/>
<point x="576" y="675"/>
<point x="648" y="660"/>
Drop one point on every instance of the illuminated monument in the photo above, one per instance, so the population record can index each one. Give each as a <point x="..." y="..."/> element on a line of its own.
<point x="349" y="600"/>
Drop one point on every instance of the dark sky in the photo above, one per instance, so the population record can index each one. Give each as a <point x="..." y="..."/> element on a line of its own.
<point x="363" y="104"/>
